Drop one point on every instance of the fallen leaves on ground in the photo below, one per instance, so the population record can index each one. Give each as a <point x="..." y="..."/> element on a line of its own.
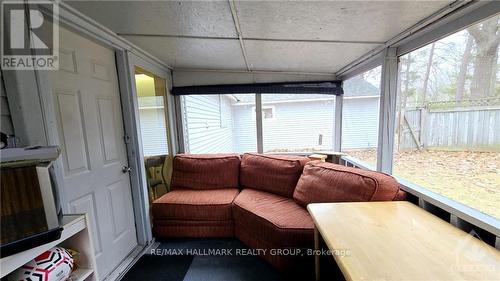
<point x="469" y="177"/>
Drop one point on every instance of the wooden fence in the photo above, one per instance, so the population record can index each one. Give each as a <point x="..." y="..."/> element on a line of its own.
<point x="461" y="128"/>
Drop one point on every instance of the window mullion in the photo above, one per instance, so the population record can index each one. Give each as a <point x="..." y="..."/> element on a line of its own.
<point x="387" y="114"/>
<point x="179" y="120"/>
<point x="337" y="143"/>
<point x="258" y="123"/>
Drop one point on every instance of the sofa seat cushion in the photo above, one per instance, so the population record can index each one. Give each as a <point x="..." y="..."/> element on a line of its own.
<point x="277" y="219"/>
<point x="326" y="182"/>
<point x="205" y="171"/>
<point x="272" y="173"/>
<point x="185" y="204"/>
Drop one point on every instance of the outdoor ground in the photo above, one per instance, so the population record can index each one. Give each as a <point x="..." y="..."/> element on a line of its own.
<point x="471" y="178"/>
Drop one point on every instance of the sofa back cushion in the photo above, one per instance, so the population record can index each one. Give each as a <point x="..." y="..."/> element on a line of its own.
<point x="327" y="182"/>
<point x="271" y="173"/>
<point x="205" y="171"/>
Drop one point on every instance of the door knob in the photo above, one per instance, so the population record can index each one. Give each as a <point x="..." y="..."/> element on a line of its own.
<point x="126" y="169"/>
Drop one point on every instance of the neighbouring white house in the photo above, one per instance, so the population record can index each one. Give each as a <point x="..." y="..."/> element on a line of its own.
<point x="226" y="123"/>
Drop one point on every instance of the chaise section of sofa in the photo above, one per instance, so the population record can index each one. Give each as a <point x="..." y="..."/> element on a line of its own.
<point x="274" y="218"/>
<point x="272" y="222"/>
<point x="204" y="187"/>
<point x="267" y="217"/>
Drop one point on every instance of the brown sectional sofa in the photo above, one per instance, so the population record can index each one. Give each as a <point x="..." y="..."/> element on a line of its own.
<point x="261" y="200"/>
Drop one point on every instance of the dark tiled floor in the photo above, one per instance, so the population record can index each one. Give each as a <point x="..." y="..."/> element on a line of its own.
<point x="149" y="267"/>
<point x="213" y="260"/>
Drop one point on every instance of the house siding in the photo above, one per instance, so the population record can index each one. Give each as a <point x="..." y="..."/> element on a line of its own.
<point x="298" y="125"/>
<point x="207" y="124"/>
<point x="244" y="128"/>
<point x="360" y="123"/>
<point x="294" y="126"/>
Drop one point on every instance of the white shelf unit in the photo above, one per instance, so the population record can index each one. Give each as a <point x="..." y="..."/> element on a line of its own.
<point x="75" y="235"/>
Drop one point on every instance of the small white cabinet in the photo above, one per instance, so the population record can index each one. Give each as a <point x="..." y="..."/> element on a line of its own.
<point x="76" y="235"/>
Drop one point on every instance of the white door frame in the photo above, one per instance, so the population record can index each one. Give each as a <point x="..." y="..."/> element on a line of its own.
<point x="126" y="63"/>
<point x="40" y="87"/>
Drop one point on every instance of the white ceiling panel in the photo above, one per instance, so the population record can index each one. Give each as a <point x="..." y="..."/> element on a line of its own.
<point x="303" y="56"/>
<point x="192" y="18"/>
<point x="193" y="52"/>
<point x="292" y="36"/>
<point x="374" y="21"/>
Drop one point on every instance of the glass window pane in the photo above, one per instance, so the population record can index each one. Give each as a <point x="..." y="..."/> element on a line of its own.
<point x="448" y="123"/>
<point x="298" y="122"/>
<point x="360" y="116"/>
<point x="219" y="123"/>
<point x="152" y="114"/>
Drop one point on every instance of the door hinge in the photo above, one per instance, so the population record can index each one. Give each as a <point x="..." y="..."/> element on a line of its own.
<point x="126" y="139"/>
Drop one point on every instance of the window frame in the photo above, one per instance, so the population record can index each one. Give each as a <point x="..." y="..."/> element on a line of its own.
<point x="257" y="117"/>
<point x="223" y="122"/>
<point x="163" y="108"/>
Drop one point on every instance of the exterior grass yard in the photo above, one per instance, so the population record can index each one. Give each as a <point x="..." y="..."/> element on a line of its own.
<point x="471" y="178"/>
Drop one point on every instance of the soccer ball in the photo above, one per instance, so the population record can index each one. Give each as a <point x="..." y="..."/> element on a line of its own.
<point x="55" y="264"/>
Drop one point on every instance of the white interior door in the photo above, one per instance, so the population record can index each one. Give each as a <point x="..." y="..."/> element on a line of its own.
<point x="90" y="128"/>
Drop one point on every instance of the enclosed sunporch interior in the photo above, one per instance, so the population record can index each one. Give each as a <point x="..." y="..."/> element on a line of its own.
<point x="439" y="103"/>
<point x="405" y="88"/>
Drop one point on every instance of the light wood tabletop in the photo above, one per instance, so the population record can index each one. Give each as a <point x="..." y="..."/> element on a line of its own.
<point x="400" y="241"/>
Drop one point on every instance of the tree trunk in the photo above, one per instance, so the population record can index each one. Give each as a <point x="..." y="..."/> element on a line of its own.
<point x="462" y="74"/>
<point x="487" y="40"/>
<point x="427" y="73"/>
<point x="407" y="81"/>
<point x="481" y="79"/>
